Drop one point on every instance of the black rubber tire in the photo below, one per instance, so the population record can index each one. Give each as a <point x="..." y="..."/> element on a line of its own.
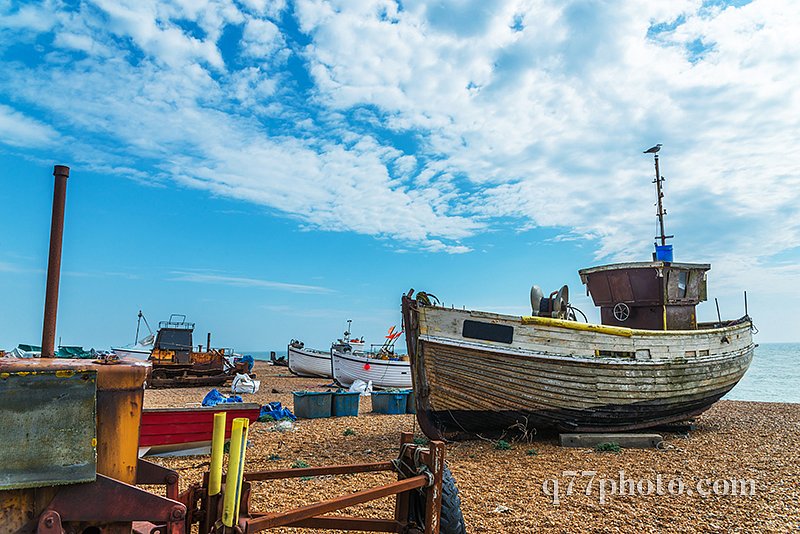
<point x="451" y="520"/>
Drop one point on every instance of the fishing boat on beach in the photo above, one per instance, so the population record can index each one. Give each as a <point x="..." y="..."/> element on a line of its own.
<point x="648" y="363"/>
<point x="307" y="362"/>
<point x="140" y="349"/>
<point x="383" y="367"/>
<point x="383" y="373"/>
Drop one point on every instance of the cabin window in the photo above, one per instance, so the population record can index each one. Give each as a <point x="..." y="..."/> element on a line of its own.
<point x="683" y="279"/>
<point x="703" y="352"/>
<point x="690" y="353"/>
<point x="677" y="284"/>
<point x="500" y="333"/>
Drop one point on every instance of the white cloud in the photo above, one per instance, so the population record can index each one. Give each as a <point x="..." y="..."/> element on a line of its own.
<point x="241" y="281"/>
<point x="531" y="110"/>
<point x="17" y="129"/>
<point x="261" y="38"/>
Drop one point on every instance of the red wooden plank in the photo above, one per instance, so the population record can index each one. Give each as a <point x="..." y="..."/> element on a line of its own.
<point x="169" y="427"/>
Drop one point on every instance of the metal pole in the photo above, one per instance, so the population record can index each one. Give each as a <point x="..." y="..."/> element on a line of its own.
<point x="208" y="343"/>
<point x="660" y="194"/>
<point x="61" y="174"/>
<point x="217" y="446"/>
<point x="138" y="324"/>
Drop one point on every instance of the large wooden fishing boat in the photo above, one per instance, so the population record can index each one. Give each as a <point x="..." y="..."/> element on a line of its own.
<point x="649" y="363"/>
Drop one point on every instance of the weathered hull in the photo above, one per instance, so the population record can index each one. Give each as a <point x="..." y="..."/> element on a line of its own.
<point x="309" y="362"/>
<point x="551" y="374"/>
<point x="348" y="367"/>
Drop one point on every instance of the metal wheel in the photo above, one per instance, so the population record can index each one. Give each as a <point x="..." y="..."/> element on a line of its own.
<point x="621" y="312"/>
<point x="451" y="519"/>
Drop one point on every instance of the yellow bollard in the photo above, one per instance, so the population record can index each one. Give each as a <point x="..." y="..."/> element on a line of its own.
<point x="217" y="447"/>
<point x="233" y="481"/>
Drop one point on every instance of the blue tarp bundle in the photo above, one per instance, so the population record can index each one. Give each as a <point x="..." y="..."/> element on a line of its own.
<point x="248" y="360"/>
<point x="276" y="411"/>
<point x="214" y="397"/>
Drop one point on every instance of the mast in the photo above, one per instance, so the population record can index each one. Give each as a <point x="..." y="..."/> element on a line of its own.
<point x="138" y="324"/>
<point x="661" y="211"/>
<point x="347" y="332"/>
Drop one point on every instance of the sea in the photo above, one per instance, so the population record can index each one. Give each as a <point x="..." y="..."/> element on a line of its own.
<point x="774" y="375"/>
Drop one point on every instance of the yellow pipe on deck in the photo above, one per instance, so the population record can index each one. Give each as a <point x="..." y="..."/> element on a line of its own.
<point x="572" y="325"/>
<point x="217" y="448"/>
<point x="233" y="482"/>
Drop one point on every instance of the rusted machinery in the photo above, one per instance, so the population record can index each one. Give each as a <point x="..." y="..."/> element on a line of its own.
<point x="177" y="364"/>
<point x="70" y="465"/>
<point x="421" y="471"/>
<point x="70" y="446"/>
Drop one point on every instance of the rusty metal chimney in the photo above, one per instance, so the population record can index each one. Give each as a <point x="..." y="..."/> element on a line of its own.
<point x="61" y="173"/>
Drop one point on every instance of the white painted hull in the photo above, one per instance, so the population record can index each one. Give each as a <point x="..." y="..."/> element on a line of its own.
<point x="309" y="362"/>
<point x="138" y="354"/>
<point x="348" y="367"/>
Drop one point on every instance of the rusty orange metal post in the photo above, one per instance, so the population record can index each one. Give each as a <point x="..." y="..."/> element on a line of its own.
<point x="61" y="173"/>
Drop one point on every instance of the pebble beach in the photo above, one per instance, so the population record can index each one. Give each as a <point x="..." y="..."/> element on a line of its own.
<point x="525" y="488"/>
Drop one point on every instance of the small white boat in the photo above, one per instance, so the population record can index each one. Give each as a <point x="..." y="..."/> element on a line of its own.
<point x="139" y="349"/>
<point x="308" y="362"/>
<point x="304" y="361"/>
<point x="349" y="366"/>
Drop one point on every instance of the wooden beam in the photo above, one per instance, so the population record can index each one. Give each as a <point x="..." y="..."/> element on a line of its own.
<point x="433" y="495"/>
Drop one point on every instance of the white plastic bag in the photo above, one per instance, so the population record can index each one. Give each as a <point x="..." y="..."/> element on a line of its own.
<point x="284" y="425"/>
<point x="244" y="384"/>
<point x="365" y="388"/>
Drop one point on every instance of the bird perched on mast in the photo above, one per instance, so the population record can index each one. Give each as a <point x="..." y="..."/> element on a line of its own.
<point x="653" y="150"/>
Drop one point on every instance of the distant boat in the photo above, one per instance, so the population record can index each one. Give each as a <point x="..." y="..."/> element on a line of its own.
<point x="383" y="368"/>
<point x="182" y="431"/>
<point x="349" y="366"/>
<point x="307" y="362"/>
<point x="139" y="349"/>
<point x="63" y="351"/>
<point x="24" y="351"/>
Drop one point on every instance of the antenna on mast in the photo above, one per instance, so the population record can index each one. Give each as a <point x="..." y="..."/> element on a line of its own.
<point x="663" y="251"/>
<point x="347" y="332"/>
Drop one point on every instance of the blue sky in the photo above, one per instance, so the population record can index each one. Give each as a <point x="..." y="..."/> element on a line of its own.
<point x="272" y="169"/>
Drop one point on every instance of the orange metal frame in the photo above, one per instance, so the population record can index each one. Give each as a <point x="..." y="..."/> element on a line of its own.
<point x="417" y="468"/>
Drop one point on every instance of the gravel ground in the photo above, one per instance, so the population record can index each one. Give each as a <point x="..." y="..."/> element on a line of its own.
<point x="514" y="490"/>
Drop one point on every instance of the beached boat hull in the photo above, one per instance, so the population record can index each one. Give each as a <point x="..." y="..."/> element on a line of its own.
<point x="309" y="362"/>
<point x="349" y="367"/>
<point x="546" y="373"/>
